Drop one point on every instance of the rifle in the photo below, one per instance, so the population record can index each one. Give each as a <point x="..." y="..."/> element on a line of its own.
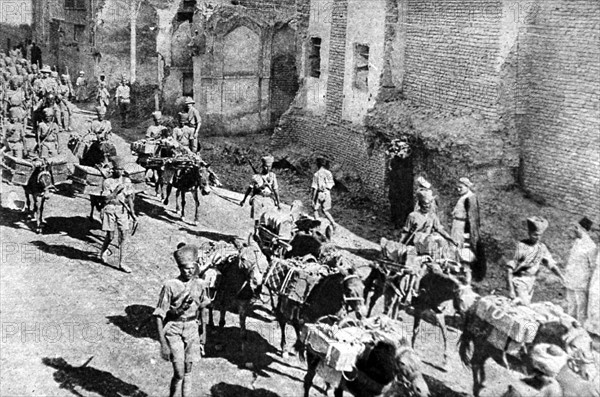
<point x="251" y="165"/>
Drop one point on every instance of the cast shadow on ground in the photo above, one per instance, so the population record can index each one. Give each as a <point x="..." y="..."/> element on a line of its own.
<point x="153" y="208"/>
<point x="90" y="380"/>
<point x="226" y="343"/>
<point x="138" y="321"/>
<point x="438" y="389"/>
<point x="227" y="390"/>
<point x="77" y="227"/>
<point x="14" y="219"/>
<point x="213" y="236"/>
<point x="65" y="251"/>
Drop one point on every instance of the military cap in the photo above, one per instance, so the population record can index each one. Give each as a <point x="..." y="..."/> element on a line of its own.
<point x="189" y="100"/>
<point x="425" y="196"/>
<point x="100" y="109"/>
<point x="157" y="115"/>
<point x="46" y="69"/>
<point x="267" y="160"/>
<point x="186" y="254"/>
<point x="465" y="181"/>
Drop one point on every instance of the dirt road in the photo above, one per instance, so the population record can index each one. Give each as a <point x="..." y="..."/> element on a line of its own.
<point x="73" y="326"/>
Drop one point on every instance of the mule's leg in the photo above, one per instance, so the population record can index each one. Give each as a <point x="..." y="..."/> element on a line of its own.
<point x="374" y="298"/>
<point x="197" y="202"/>
<point x="339" y="391"/>
<point x="38" y="208"/>
<point x="312" y="361"/>
<point x="243" y="308"/>
<point x="222" y="314"/>
<point x="282" y="325"/>
<point x="416" y="323"/>
<point x="441" y="323"/>
<point x="168" y="194"/>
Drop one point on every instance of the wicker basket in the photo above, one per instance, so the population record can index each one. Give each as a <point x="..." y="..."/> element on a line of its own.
<point x="16" y="171"/>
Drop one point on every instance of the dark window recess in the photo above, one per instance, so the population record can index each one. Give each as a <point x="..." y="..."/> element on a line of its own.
<point x="78" y="32"/>
<point x="75" y="4"/>
<point x="188" y="84"/>
<point x="183" y="16"/>
<point x="361" y="67"/>
<point x="314" y="57"/>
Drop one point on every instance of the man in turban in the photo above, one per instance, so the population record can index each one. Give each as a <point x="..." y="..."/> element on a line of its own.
<point x="530" y="254"/>
<point x="263" y="191"/>
<point x="465" y="225"/>
<point x="181" y="331"/>
<point x="578" y="272"/>
<point x="423" y="222"/>
<point x="118" y="193"/>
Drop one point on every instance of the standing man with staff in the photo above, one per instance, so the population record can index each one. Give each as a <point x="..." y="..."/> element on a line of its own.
<point x="263" y="191"/>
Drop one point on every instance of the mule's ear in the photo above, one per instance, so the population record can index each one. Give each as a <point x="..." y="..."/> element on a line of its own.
<point x="329" y="233"/>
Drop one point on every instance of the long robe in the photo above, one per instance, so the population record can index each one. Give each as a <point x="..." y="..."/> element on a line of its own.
<point x="593" y="310"/>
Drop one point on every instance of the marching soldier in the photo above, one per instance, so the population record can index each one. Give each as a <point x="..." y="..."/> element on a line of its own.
<point x="100" y="127"/>
<point x="62" y="99"/>
<point x="47" y="135"/>
<point x="81" y="87"/>
<point x="14" y="137"/>
<point x="530" y="254"/>
<point x="322" y="184"/>
<point x="263" y="191"/>
<point x="182" y="133"/>
<point x="118" y="193"/>
<point x="181" y="329"/>
<point x="102" y="96"/>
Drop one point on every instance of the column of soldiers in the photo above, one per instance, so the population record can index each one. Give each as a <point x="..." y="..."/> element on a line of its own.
<point x="34" y="108"/>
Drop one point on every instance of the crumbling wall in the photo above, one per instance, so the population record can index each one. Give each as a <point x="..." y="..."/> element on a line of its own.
<point x="559" y="104"/>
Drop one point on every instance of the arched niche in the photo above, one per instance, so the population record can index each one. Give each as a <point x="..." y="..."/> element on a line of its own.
<point x="241" y="52"/>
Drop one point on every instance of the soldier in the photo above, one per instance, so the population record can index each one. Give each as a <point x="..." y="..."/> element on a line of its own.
<point x="530" y="254"/>
<point x="14" y="137"/>
<point x="47" y="135"/>
<point x="194" y="121"/>
<point x="15" y="98"/>
<point x="422" y="223"/>
<point x="263" y="191"/>
<point x="45" y="85"/>
<point x="322" y="184"/>
<point x="62" y="99"/>
<point x="155" y="131"/>
<point x="118" y="193"/>
<point x="81" y="87"/>
<point x="100" y="127"/>
<point x="181" y="329"/>
<point x="102" y="96"/>
<point x="123" y="99"/>
<point x="182" y="133"/>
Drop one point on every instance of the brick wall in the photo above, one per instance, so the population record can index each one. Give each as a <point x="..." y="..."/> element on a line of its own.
<point x="559" y="123"/>
<point x="337" y="61"/>
<point x="451" y="52"/>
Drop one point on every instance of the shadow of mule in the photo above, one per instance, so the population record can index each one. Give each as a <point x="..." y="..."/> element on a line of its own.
<point x="138" y="322"/>
<point x="226" y="390"/>
<point x="64" y="251"/>
<point x="90" y="379"/>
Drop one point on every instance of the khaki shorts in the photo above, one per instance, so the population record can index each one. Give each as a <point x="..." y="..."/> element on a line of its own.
<point x="323" y="201"/>
<point x="260" y="205"/>
<point x="114" y="218"/>
<point x="183" y="340"/>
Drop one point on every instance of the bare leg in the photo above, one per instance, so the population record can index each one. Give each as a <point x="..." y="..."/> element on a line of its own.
<point x="168" y="194"/>
<point x="177" y="380"/>
<point x="106" y="244"/>
<point x="122" y="240"/>
<point x="329" y="218"/>
<point x="441" y="323"/>
<point x="313" y="362"/>
<point x="187" y="380"/>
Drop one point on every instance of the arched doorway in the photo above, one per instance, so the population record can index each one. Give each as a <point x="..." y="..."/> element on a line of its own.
<point x="284" y="75"/>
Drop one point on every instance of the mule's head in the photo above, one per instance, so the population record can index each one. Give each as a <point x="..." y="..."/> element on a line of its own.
<point x="464" y="298"/>
<point x="354" y="294"/>
<point x="407" y="368"/>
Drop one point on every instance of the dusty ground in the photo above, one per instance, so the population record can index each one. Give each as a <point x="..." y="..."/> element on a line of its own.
<point x="61" y="307"/>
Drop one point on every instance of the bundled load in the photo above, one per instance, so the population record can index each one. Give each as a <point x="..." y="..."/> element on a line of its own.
<point x="17" y="171"/>
<point x="180" y="162"/>
<point x="154" y="162"/>
<point x="58" y="167"/>
<point x="137" y="174"/>
<point x="294" y="278"/>
<point x="510" y="326"/>
<point x="87" y="180"/>
<point x="145" y="147"/>
<point x="342" y="344"/>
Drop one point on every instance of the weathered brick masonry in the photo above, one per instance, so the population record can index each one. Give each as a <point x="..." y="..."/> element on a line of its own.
<point x="559" y="88"/>
<point x="524" y="74"/>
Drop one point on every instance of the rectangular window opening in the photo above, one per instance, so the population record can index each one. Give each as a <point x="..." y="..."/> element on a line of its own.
<point x="187" y="84"/>
<point x="78" y="32"/>
<point x="75" y="4"/>
<point x="361" y="67"/>
<point x="314" y="57"/>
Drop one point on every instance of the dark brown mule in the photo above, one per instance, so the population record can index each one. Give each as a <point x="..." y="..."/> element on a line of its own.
<point x="193" y="179"/>
<point x="37" y="191"/>
<point x="239" y="278"/>
<point x="391" y="368"/>
<point x="334" y="294"/>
